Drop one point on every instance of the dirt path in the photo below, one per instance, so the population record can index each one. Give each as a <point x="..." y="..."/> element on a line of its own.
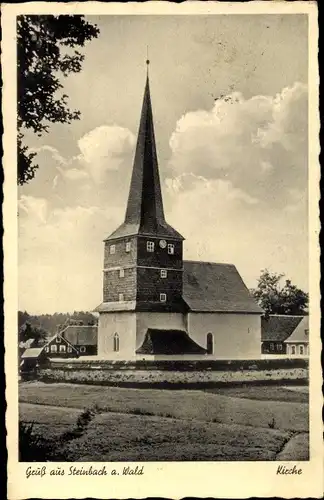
<point x="297" y="388"/>
<point x="68" y="409"/>
<point x="296" y="448"/>
<point x="52" y="407"/>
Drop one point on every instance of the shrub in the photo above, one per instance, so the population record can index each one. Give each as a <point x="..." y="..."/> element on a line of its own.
<point x="81" y="425"/>
<point x="84" y="419"/>
<point x="32" y="447"/>
<point x="139" y="411"/>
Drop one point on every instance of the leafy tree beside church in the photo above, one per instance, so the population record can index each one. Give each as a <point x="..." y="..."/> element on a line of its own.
<point x="47" y="52"/>
<point x="277" y="296"/>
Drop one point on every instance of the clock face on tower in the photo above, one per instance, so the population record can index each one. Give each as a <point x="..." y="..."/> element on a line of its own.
<point x="163" y="243"/>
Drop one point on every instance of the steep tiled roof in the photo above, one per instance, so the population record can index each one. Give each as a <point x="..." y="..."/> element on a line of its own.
<point x="211" y="287"/>
<point x="278" y="328"/>
<point x="144" y="213"/>
<point x="169" y="342"/>
<point x="80" y="334"/>
<point x="301" y="332"/>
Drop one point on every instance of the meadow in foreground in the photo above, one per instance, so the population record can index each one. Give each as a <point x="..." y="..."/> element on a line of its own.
<point x="136" y="424"/>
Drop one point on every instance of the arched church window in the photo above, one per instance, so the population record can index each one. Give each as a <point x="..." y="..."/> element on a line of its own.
<point x="116" y="342"/>
<point x="210" y="343"/>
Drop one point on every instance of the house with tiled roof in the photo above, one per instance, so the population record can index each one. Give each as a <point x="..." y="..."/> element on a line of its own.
<point x="31" y="358"/>
<point x="73" y="340"/>
<point x="297" y="344"/>
<point x="284" y="334"/>
<point x="155" y="304"/>
<point x="59" y="347"/>
<point x="84" y="338"/>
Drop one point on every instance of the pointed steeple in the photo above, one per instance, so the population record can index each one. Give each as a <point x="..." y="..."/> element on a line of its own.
<point x="144" y="212"/>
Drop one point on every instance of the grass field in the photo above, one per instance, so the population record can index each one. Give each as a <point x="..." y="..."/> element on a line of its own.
<point x="147" y="424"/>
<point x="272" y="393"/>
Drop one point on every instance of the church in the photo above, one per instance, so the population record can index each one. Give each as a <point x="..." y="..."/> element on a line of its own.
<point x="157" y="305"/>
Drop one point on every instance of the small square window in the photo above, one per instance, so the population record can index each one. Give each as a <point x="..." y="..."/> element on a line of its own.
<point x="82" y="349"/>
<point x="53" y="348"/>
<point x="170" y="249"/>
<point x="121" y="273"/>
<point x="46" y="348"/>
<point x="279" y="347"/>
<point x="121" y="297"/>
<point x="112" y="249"/>
<point x="164" y="273"/>
<point x="163" y="297"/>
<point x="293" y="349"/>
<point x="150" y="246"/>
<point x="58" y="340"/>
<point x="69" y="349"/>
<point x="62" y="348"/>
<point x="128" y="246"/>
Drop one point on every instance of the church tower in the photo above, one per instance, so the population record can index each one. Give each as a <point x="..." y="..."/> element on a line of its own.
<point x="143" y="261"/>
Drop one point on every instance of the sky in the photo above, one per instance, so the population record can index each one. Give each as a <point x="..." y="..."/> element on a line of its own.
<point x="229" y="96"/>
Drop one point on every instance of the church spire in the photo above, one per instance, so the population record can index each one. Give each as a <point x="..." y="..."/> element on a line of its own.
<point x="145" y="205"/>
<point x="144" y="212"/>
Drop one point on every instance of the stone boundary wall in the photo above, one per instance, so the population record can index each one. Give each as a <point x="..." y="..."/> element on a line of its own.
<point x="178" y="365"/>
<point x="105" y="374"/>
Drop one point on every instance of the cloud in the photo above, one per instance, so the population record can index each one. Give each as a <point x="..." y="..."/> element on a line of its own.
<point x="60" y="262"/>
<point x="237" y="191"/>
<point x="105" y="148"/>
<point x="222" y="223"/>
<point x="219" y="189"/>
<point x="34" y="207"/>
<point x="54" y="153"/>
<point x="288" y="126"/>
<point x="259" y="144"/>
<point x="98" y="174"/>
<point x="74" y="174"/>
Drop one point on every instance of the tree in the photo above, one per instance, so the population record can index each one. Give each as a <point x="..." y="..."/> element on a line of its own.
<point x="276" y="298"/>
<point x="28" y="331"/>
<point x="46" y="51"/>
<point x="51" y="322"/>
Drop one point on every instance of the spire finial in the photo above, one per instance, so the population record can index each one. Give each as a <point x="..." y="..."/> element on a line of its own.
<point x="147" y="58"/>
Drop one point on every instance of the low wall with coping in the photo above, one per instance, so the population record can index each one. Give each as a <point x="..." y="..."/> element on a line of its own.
<point x="148" y="374"/>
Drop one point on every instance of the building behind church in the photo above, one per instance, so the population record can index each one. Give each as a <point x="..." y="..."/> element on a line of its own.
<point x="157" y="305"/>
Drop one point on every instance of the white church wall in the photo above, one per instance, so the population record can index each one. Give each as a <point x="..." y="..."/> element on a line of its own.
<point x="122" y="323"/>
<point x="163" y="321"/>
<point x="235" y="336"/>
